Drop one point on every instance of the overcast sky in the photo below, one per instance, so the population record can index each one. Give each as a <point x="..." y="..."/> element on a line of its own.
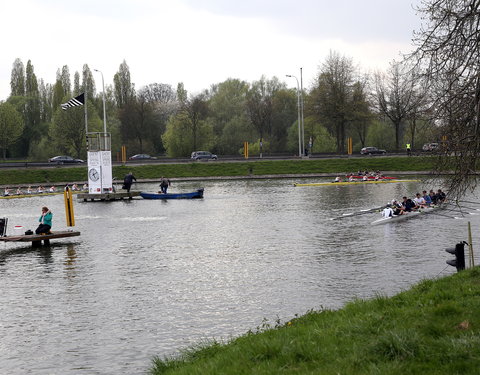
<point x="201" y="42"/>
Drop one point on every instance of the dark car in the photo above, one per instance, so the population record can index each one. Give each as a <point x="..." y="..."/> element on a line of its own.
<point x="141" y="157"/>
<point x="203" y="155"/>
<point x="372" y="151"/>
<point x="65" y="160"/>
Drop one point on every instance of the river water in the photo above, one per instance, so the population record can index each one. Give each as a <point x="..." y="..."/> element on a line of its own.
<point x="150" y="278"/>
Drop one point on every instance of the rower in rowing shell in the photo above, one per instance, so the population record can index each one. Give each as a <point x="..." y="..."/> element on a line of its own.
<point x="397" y="208"/>
<point x="419" y="201"/>
<point x="337" y="179"/>
<point x="387" y="211"/>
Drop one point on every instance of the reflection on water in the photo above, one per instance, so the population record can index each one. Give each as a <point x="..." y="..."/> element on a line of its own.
<point x="148" y="278"/>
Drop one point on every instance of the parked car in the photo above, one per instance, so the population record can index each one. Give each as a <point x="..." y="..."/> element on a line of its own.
<point x="141" y="156"/>
<point x="65" y="160"/>
<point x="372" y="151"/>
<point x="430" y="146"/>
<point x="203" y="155"/>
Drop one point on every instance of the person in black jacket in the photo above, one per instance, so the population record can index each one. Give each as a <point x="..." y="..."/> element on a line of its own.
<point x="128" y="181"/>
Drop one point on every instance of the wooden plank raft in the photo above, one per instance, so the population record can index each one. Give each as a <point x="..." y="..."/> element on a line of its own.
<point x="36" y="239"/>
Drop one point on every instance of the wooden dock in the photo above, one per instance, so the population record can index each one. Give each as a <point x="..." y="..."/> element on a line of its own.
<point x="36" y="239"/>
<point x="107" y="196"/>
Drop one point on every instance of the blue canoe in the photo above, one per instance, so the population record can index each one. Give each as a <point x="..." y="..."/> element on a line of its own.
<point x="192" y="195"/>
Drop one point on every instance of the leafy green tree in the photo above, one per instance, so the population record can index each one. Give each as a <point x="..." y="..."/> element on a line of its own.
<point x="189" y="130"/>
<point x="31" y="114"/>
<point x="361" y="115"/>
<point x="76" y="84"/>
<point x="331" y="96"/>
<point x="260" y="105"/>
<point x="17" y="81"/>
<point x="88" y="83"/>
<point x="11" y="126"/>
<point x="123" y="87"/>
<point x="284" y="113"/>
<point x="46" y="98"/>
<point x="382" y="135"/>
<point x="66" y="82"/>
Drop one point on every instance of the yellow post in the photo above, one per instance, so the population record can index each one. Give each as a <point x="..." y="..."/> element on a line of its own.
<point x="349" y="146"/>
<point x="68" y="197"/>
<point x="245" y="150"/>
<point x="124" y="154"/>
<point x="471" y="260"/>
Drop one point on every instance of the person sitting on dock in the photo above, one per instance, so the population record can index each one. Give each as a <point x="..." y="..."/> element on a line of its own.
<point x="45" y="221"/>
<point x="164" y="184"/>
<point x="128" y="181"/>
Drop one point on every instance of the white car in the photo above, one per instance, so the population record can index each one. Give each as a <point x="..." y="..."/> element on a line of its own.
<point x="203" y="155"/>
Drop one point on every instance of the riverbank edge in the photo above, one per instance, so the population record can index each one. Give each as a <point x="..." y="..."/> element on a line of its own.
<point x="431" y="328"/>
<point x="221" y="178"/>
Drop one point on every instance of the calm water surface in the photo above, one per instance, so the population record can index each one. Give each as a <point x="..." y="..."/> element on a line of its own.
<point x="149" y="278"/>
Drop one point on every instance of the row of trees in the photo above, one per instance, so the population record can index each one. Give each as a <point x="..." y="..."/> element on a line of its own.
<point x="384" y="110"/>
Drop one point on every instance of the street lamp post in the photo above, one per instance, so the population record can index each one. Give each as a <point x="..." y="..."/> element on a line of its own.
<point x="103" y="95"/>
<point x="300" y="150"/>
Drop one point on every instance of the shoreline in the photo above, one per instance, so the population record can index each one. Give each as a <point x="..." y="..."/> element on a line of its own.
<point x="224" y="178"/>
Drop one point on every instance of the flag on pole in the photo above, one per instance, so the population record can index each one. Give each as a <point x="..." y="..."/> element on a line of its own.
<point x="74" y="102"/>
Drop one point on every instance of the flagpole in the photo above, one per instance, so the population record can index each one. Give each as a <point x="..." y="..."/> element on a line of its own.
<point x="86" y="117"/>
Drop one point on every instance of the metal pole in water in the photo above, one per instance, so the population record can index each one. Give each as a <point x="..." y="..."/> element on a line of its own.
<point x="471" y="261"/>
<point x="68" y="198"/>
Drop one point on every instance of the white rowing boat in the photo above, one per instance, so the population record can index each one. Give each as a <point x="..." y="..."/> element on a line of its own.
<point x="405" y="216"/>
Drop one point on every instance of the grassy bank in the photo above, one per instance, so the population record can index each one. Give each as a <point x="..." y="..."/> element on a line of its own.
<point x="433" y="328"/>
<point x="204" y="169"/>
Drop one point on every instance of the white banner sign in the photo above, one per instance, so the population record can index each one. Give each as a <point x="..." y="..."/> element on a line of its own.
<point x="99" y="172"/>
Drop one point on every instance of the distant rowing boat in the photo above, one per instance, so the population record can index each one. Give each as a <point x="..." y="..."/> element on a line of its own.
<point x="353" y="182"/>
<point x="12" y="196"/>
<point x="191" y="195"/>
<point x="405" y="216"/>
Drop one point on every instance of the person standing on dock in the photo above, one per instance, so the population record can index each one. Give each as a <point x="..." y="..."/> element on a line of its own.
<point x="164" y="184"/>
<point x="128" y="181"/>
<point x="45" y="221"/>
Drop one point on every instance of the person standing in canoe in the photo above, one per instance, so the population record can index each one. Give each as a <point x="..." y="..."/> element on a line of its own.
<point x="45" y="221"/>
<point x="128" y="181"/>
<point x="164" y="184"/>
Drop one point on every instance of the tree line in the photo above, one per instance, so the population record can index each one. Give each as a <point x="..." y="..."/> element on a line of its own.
<point x="383" y="110"/>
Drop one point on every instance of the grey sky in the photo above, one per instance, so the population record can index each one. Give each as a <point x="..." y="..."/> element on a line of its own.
<point x="200" y="42"/>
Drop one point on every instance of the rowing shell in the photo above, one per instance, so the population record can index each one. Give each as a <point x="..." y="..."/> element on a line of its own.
<point x="353" y="182"/>
<point x="34" y="195"/>
<point x="405" y="216"/>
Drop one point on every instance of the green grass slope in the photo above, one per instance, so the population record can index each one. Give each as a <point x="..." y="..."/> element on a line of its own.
<point x="433" y="328"/>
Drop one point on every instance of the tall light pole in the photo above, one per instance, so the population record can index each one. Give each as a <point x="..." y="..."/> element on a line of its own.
<point x="300" y="150"/>
<point x="301" y="111"/>
<point x="104" y="113"/>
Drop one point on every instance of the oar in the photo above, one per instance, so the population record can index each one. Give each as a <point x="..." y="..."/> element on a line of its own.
<point x="469" y="202"/>
<point x="361" y="212"/>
